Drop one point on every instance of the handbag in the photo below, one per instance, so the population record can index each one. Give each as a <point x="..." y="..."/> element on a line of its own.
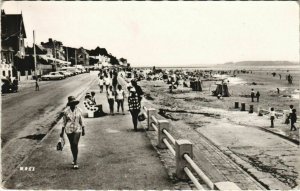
<point x="141" y="117"/>
<point x="60" y="144"/>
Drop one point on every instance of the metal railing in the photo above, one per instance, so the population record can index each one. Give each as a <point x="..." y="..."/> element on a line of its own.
<point x="182" y="152"/>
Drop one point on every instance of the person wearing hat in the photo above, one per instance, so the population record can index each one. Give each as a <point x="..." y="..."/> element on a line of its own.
<point x="73" y="125"/>
<point x="134" y="106"/>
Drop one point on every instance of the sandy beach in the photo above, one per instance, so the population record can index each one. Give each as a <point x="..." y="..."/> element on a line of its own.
<point x="217" y="120"/>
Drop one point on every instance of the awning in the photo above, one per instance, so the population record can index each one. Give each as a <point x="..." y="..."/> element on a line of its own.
<point x="57" y="61"/>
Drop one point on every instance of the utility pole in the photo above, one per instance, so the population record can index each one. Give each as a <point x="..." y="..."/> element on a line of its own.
<point x="54" y="55"/>
<point x="75" y="57"/>
<point x="34" y="53"/>
<point x="67" y="54"/>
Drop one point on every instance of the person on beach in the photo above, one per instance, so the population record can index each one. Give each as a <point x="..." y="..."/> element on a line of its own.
<point x="138" y="89"/>
<point x="134" y="106"/>
<point x="272" y="117"/>
<point x="101" y="83"/>
<point x="252" y="95"/>
<point x="257" y="96"/>
<point x="293" y="120"/>
<point x="278" y="91"/>
<point x="120" y="94"/>
<point x="73" y="125"/>
<point x="111" y="100"/>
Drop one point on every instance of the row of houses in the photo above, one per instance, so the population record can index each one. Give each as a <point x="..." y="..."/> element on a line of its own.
<point x="18" y="60"/>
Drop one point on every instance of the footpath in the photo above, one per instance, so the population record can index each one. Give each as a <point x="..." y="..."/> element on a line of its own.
<point x="111" y="156"/>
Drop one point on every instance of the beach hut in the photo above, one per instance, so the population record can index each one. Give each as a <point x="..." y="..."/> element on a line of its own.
<point x="196" y="85"/>
<point x="221" y="89"/>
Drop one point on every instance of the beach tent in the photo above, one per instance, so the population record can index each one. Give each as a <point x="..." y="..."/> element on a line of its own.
<point x="196" y="85"/>
<point x="221" y="89"/>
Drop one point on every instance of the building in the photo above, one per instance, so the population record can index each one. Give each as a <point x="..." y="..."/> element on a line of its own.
<point x="12" y="43"/>
<point x="82" y="57"/>
<point x="56" y="54"/>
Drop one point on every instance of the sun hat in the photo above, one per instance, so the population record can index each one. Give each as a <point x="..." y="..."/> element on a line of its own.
<point x="72" y="101"/>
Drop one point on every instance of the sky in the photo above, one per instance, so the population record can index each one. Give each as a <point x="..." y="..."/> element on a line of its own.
<point x="168" y="33"/>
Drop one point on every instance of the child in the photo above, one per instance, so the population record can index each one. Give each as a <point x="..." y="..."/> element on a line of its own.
<point x="293" y="117"/>
<point x="110" y="99"/>
<point x="272" y="117"/>
<point x="120" y="94"/>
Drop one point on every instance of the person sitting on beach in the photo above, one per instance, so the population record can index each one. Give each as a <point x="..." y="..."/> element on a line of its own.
<point x="252" y="95"/>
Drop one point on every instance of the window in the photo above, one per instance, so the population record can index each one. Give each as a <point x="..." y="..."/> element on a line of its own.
<point x="9" y="73"/>
<point x="3" y="73"/>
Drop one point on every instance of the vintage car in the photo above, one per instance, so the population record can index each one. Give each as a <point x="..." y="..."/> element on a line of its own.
<point x="7" y="86"/>
<point x="53" y="76"/>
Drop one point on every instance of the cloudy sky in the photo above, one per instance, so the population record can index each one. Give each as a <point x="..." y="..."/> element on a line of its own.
<point x="169" y="33"/>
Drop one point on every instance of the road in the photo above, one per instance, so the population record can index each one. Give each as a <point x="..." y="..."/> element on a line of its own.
<point x="28" y="115"/>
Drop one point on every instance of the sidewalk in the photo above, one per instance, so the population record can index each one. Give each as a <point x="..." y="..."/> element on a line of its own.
<point x="111" y="156"/>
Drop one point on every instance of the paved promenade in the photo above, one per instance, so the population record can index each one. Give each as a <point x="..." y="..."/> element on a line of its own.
<point x="111" y="156"/>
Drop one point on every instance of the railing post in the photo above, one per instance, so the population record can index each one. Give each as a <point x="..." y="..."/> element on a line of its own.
<point x="162" y="124"/>
<point x="182" y="147"/>
<point x="150" y="112"/>
<point x="226" y="186"/>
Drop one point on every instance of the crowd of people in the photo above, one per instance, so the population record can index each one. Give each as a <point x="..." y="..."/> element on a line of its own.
<point x="116" y="93"/>
<point x="73" y="121"/>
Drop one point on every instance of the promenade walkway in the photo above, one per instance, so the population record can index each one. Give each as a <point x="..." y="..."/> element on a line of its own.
<point x="111" y="156"/>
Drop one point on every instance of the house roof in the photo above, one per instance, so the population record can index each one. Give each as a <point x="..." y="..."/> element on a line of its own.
<point x="12" y="25"/>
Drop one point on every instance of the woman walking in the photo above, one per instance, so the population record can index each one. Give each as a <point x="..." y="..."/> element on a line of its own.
<point x="73" y="125"/>
<point x="111" y="100"/>
<point x="107" y="82"/>
<point x="120" y="94"/>
<point x="134" y="106"/>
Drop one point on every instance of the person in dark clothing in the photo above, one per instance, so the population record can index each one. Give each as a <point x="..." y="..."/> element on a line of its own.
<point x="115" y="82"/>
<point x="134" y="106"/>
<point x="252" y="95"/>
<point x="278" y="91"/>
<point x="293" y="117"/>
<point x="37" y="87"/>
<point x="257" y="96"/>
<point x="138" y="89"/>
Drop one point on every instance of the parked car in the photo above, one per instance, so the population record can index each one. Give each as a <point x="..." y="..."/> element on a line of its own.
<point x="65" y="73"/>
<point x="7" y="86"/>
<point x="70" y="69"/>
<point x="53" y="76"/>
